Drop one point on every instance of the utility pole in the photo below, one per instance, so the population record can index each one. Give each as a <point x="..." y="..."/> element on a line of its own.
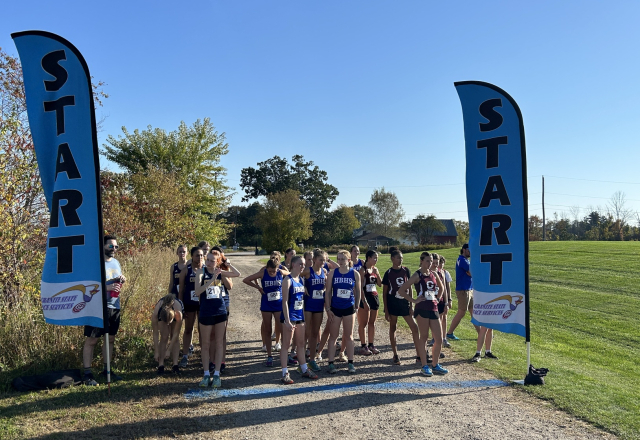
<point x="544" y="225"/>
<point x="235" y="232"/>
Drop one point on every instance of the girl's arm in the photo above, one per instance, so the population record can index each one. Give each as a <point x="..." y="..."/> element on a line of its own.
<point x="201" y="288"/>
<point x="286" y="283"/>
<point x="230" y="273"/>
<point x="378" y="277"/>
<point x="405" y="290"/>
<point x="252" y="281"/>
<point x="327" y="296"/>
<point x="385" y="292"/>
<point x="441" y="290"/>
<point x="357" y="291"/>
<point x="332" y="264"/>
<point x="170" y="288"/>
<point x="181" y="283"/>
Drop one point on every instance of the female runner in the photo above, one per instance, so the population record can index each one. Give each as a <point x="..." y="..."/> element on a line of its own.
<point x="396" y="305"/>
<point x="341" y="306"/>
<point x="227" y="284"/>
<point x="446" y="279"/>
<point x="426" y="311"/>
<point x="292" y="319"/>
<point x="176" y="269"/>
<point x="166" y="321"/>
<point x="190" y="300"/>
<point x="355" y="258"/>
<point x="369" y="304"/>
<point x="213" y="313"/>
<point x="270" y="287"/>
<point x="315" y="277"/>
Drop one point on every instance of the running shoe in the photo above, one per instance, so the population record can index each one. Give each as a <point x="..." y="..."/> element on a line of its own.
<point x="426" y="370"/>
<point x="342" y="358"/>
<point x="273" y="337"/>
<point x="160" y="370"/>
<point x="89" y="380"/>
<point x="216" y="382"/>
<point x="205" y="382"/>
<point x="222" y="367"/>
<point x="364" y="351"/>
<point x="264" y="348"/>
<point x="176" y="370"/>
<point x="308" y="374"/>
<point x="430" y="343"/>
<point x="373" y="349"/>
<point x="292" y="361"/>
<point x="114" y="376"/>
<point x="286" y="379"/>
<point x="269" y="362"/>
<point x="476" y="358"/>
<point x="440" y="370"/>
<point x="314" y="366"/>
<point x="332" y="369"/>
<point x="396" y="359"/>
<point x="351" y="369"/>
<point x="446" y="344"/>
<point x="277" y="347"/>
<point x="490" y="355"/>
<point x="452" y="337"/>
<point x="183" y="362"/>
<point x="190" y="349"/>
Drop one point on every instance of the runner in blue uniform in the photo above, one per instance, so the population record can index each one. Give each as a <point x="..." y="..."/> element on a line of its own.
<point x="369" y="304"/>
<point x="166" y="322"/>
<point x="355" y="260"/>
<point x="190" y="300"/>
<point x="176" y="269"/>
<point x="270" y="287"/>
<point x="315" y="278"/>
<point x="341" y="305"/>
<point x="213" y="313"/>
<point x="292" y="319"/>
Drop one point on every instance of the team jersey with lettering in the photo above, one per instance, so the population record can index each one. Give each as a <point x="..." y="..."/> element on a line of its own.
<point x="176" y="278"/>
<point x="426" y="287"/>
<point x="440" y="274"/>
<point x="315" y="284"/>
<point x="342" y="289"/>
<point x="295" y="300"/>
<point x="212" y="299"/>
<point x="394" y="278"/>
<point x="358" y="264"/>
<point x="272" y="287"/>
<point x="369" y="282"/>
<point x="189" y="297"/>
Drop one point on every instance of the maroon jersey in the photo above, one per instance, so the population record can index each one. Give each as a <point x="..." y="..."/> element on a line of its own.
<point x="369" y="282"/>
<point x="440" y="275"/>
<point x="394" y="278"/>
<point x="427" y="287"/>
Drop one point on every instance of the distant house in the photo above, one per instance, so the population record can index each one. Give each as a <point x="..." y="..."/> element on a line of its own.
<point x="372" y="239"/>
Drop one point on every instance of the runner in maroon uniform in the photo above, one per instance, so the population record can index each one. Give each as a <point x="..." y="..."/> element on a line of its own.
<point x="396" y="305"/>
<point x="447" y="286"/>
<point x="426" y="311"/>
<point x="369" y="304"/>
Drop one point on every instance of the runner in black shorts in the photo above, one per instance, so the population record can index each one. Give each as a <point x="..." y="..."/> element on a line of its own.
<point x="369" y="303"/>
<point x="395" y="305"/>
<point x="190" y="300"/>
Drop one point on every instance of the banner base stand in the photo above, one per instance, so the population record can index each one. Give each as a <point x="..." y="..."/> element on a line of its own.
<point x="518" y="382"/>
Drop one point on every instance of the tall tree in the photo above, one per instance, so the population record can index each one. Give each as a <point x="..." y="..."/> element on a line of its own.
<point x="277" y="174"/>
<point x="336" y="227"/>
<point x="284" y="219"/>
<point x="618" y="209"/>
<point x="243" y="219"/>
<point x="387" y="211"/>
<point x="422" y="228"/>
<point x="364" y="214"/>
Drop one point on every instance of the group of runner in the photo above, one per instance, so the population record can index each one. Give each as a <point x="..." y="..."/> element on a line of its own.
<point x="295" y="294"/>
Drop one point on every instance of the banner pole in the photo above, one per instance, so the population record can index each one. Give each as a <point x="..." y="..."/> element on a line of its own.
<point x="528" y="356"/>
<point x="107" y="351"/>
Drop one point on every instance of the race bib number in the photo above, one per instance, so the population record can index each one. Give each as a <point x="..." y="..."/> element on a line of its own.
<point x="297" y="305"/>
<point x="214" y="292"/>
<point x="430" y="295"/>
<point x="194" y="297"/>
<point x="371" y="288"/>
<point x="398" y="295"/>
<point x="344" y="293"/>
<point x="273" y="296"/>
<point x="318" y="294"/>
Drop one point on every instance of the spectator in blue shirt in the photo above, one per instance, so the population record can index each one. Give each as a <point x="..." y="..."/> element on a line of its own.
<point x="464" y="290"/>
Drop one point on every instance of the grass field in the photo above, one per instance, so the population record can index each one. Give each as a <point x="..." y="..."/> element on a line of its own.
<point x="585" y="307"/>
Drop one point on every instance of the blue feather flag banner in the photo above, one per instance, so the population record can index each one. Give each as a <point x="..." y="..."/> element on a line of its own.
<point x="496" y="183"/>
<point x="62" y="121"/>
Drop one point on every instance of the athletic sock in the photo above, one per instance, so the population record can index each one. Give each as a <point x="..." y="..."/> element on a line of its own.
<point x="206" y="373"/>
<point x="351" y="361"/>
<point x="364" y="345"/>
<point x="487" y="352"/>
<point x="370" y="344"/>
<point x="161" y="369"/>
<point x="216" y="373"/>
<point x="330" y="362"/>
<point x="477" y="353"/>
<point x="303" y="367"/>
<point x="285" y="370"/>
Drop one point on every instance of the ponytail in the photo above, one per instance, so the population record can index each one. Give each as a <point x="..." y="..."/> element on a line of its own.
<point x="167" y="314"/>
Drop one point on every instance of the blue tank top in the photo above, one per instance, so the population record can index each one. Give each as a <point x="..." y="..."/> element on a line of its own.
<point x="272" y="286"/>
<point x="296" y="295"/>
<point x="189" y="298"/>
<point x="176" y="279"/>
<point x="358" y="264"/>
<point x="314" y="300"/>
<point x="212" y="299"/>
<point x="342" y="289"/>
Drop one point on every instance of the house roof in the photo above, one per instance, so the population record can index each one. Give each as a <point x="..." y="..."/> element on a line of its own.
<point x="373" y="236"/>
<point x="450" y="231"/>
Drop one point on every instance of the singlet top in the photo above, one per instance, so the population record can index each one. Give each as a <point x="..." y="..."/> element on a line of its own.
<point x="189" y="297"/>
<point x="342" y="289"/>
<point x="295" y="300"/>
<point x="394" y="278"/>
<point x="176" y="278"/>
<point x="426" y="287"/>
<point x="212" y="299"/>
<point x="272" y="286"/>
<point x="315" y="284"/>
<point x="358" y="264"/>
<point x="369" y="282"/>
<point x="440" y="275"/>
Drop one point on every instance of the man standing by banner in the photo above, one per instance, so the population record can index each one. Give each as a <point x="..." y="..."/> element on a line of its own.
<point x="115" y="280"/>
<point x="464" y="290"/>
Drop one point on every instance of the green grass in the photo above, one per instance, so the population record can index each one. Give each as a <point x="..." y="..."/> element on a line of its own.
<point x="585" y="307"/>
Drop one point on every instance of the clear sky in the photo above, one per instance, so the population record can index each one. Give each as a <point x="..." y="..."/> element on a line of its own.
<point x="365" y="88"/>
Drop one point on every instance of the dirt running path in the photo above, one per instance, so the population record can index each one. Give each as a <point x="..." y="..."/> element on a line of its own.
<point x="381" y="400"/>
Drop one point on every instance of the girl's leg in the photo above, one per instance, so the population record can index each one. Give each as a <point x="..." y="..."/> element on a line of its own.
<point x="286" y="342"/>
<point x="481" y="337"/>
<point x="334" y="329"/>
<point x="324" y="338"/>
<point x="488" y="339"/>
<point x="423" y="327"/>
<point x="443" y="322"/>
<point x="371" y="326"/>
<point x="314" y="324"/>
<point x="266" y="331"/>
<point x="393" y="325"/>
<point x="205" y="338"/>
<point x="218" y="341"/>
<point x="187" y="336"/>
<point x="347" y="335"/>
<point x="278" y="327"/>
<point x="175" y="340"/>
<point x="415" y="334"/>
<point x="436" y="330"/>
<point x="299" y="337"/>
<point x="162" y="345"/>
<point x="363" y="318"/>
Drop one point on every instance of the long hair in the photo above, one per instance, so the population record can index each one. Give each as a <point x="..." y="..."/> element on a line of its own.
<point x="167" y="314"/>
<point x="346" y="254"/>
<point x="223" y="260"/>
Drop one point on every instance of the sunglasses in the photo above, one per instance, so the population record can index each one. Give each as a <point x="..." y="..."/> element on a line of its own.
<point x="113" y="247"/>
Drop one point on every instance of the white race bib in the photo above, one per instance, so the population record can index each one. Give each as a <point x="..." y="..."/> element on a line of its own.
<point x="430" y="295"/>
<point x="297" y="305"/>
<point x="214" y="292"/>
<point x="273" y="296"/>
<point x="194" y="297"/>
<point x="344" y="293"/>
<point x="370" y="288"/>
<point x="318" y="294"/>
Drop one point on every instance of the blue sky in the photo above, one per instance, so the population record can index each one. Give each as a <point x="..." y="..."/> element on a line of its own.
<point x="365" y="89"/>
